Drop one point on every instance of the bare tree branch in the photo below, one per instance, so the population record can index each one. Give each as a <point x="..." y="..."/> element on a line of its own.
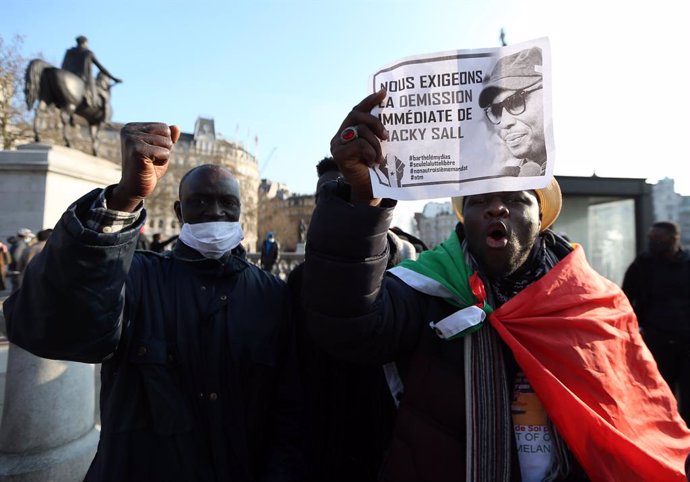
<point x="14" y="117"/>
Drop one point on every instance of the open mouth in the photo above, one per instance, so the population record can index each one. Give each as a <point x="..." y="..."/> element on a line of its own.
<point x="497" y="236"/>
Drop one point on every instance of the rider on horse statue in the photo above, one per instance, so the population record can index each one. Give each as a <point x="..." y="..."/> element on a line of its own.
<point x="72" y="90"/>
<point x="78" y="60"/>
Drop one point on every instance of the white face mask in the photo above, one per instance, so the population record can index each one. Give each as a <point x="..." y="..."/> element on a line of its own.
<point x="213" y="239"/>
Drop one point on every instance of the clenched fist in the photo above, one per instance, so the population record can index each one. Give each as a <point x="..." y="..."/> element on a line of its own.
<point x="146" y="148"/>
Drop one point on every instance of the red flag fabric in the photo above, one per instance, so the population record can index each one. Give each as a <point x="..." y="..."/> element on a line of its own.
<point x="575" y="336"/>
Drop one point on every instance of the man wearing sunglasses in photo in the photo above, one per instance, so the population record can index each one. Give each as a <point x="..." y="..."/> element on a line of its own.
<point x="512" y="100"/>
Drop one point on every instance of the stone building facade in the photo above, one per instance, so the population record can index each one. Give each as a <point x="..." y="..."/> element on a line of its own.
<point x="667" y="203"/>
<point x="435" y="222"/>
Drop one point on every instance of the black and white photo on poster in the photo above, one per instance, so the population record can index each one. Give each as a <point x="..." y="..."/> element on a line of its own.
<point x="465" y="122"/>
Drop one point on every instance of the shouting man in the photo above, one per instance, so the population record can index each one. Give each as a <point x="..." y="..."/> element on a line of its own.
<point x="517" y="360"/>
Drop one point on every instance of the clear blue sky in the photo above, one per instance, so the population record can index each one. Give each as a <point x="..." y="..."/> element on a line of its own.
<point x="288" y="71"/>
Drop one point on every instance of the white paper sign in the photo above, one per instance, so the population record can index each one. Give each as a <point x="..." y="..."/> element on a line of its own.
<point x="466" y="122"/>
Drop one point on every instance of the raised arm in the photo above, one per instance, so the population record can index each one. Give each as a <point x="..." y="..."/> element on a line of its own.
<point x="104" y="70"/>
<point x="72" y="297"/>
<point x="354" y="310"/>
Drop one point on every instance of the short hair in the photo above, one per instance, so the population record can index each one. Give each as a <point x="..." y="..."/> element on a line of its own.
<point x="327" y="164"/>
<point x="214" y="167"/>
<point x="668" y="226"/>
<point x="81" y="40"/>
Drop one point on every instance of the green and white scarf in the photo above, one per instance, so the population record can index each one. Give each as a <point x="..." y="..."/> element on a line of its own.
<point x="446" y="272"/>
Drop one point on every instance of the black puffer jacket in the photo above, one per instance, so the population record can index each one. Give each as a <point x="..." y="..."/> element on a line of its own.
<point x="358" y="312"/>
<point x="363" y="316"/>
<point x="199" y="373"/>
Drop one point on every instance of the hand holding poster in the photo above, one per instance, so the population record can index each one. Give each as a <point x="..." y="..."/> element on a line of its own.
<point x="465" y="122"/>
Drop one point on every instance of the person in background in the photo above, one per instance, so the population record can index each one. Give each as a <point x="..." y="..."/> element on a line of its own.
<point x="4" y="263"/>
<point x="350" y="406"/>
<point x="269" y="252"/>
<point x="35" y="248"/>
<point x="143" y="240"/>
<point x="23" y="240"/>
<point x="657" y="284"/>
<point x="158" y="245"/>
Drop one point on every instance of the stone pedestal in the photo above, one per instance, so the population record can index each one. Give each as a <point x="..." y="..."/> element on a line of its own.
<point x="39" y="181"/>
<point x="47" y="430"/>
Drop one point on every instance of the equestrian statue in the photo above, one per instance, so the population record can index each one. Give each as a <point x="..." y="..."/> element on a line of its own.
<point x="71" y="89"/>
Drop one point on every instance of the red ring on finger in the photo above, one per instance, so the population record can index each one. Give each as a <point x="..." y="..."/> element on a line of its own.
<point x="349" y="134"/>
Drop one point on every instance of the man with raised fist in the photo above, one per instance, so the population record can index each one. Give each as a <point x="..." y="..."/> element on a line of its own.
<point x="198" y="369"/>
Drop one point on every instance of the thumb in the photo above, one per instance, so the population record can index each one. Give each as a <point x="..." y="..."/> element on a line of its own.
<point x="174" y="133"/>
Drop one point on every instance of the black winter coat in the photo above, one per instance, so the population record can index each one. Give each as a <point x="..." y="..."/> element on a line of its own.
<point x="358" y="312"/>
<point x="363" y="316"/>
<point x="659" y="291"/>
<point x="199" y="377"/>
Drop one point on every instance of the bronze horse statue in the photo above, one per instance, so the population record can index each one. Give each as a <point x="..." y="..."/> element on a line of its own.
<point x="69" y="93"/>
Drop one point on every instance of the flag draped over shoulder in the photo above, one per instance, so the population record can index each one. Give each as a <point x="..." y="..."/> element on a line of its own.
<point x="443" y="272"/>
<point x="444" y="266"/>
<point x="576" y="338"/>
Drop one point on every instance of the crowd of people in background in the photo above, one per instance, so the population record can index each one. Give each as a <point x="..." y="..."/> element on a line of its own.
<point x="16" y="255"/>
